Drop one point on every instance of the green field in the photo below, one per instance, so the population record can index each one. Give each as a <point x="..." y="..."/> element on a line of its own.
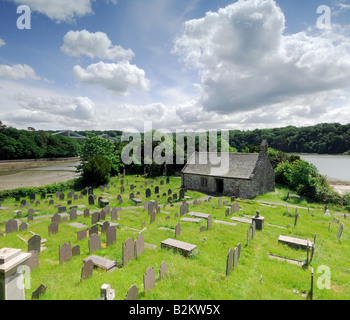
<point x="203" y="274"/>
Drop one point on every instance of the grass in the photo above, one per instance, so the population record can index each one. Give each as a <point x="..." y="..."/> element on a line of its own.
<point x="202" y="276"/>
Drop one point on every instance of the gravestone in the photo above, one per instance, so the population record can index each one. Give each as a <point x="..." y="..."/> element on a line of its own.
<point x="248" y="236"/>
<point x="163" y="269"/>
<point x="56" y="218"/>
<point x="30" y="217"/>
<point x="133" y="293"/>
<point x="139" y="245"/>
<point x="114" y="214"/>
<point x="51" y="202"/>
<point x="229" y="262"/>
<point x="150" y="208"/>
<point x="220" y="202"/>
<point x="93" y="230"/>
<point x="94" y="243"/>
<point x="131" y="196"/>
<point x="145" y="205"/>
<point x="105" y="226"/>
<point x="148" y="193"/>
<point x="122" y="189"/>
<point x="253" y="230"/>
<point x="175" y="196"/>
<point x="23" y="227"/>
<point x="111" y="235"/>
<point x="62" y="209"/>
<point x="53" y="228"/>
<point x="177" y="230"/>
<point x="153" y="217"/>
<point x="340" y="231"/>
<point x="107" y="294"/>
<point x="181" y="193"/>
<point x="128" y="251"/>
<point x="95" y="217"/>
<point x="234" y="207"/>
<point x="86" y="213"/>
<point x="76" y="251"/>
<point x="91" y="200"/>
<point x="11" y="226"/>
<point x="33" y="261"/>
<point x="31" y="211"/>
<point x="65" y="252"/>
<point x="156" y="190"/>
<point x="227" y="212"/>
<point x="62" y="196"/>
<point x="38" y="292"/>
<point x="102" y="215"/>
<point x="86" y="270"/>
<point x="73" y="215"/>
<point x="149" y="279"/>
<point x="296" y="217"/>
<point x="34" y="243"/>
<point x="32" y="196"/>
<point x="235" y="257"/>
<point x="209" y="222"/>
<point x="81" y="234"/>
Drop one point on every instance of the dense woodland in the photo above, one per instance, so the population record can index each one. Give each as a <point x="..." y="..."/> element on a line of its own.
<point x="324" y="138"/>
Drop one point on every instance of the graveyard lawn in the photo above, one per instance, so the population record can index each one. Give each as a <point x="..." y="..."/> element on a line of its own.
<point x="202" y="275"/>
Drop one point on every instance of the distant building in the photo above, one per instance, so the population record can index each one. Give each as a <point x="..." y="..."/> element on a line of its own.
<point x="249" y="174"/>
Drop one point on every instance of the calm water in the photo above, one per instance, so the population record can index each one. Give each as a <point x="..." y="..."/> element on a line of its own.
<point x="335" y="167"/>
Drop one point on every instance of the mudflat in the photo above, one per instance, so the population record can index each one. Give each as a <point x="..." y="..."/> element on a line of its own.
<point x="34" y="173"/>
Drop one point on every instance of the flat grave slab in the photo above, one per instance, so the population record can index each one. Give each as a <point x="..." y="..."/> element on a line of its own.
<point x="103" y="263"/>
<point x="178" y="245"/>
<point x="196" y="220"/>
<point x="111" y="224"/>
<point x="295" y="242"/>
<point x="226" y="223"/>
<point x="199" y="214"/>
<point x="289" y="260"/>
<point x="163" y="228"/>
<point x="150" y="246"/>
<point x="244" y="220"/>
<point x="78" y="225"/>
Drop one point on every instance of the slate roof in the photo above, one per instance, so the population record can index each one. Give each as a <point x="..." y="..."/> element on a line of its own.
<point x="240" y="165"/>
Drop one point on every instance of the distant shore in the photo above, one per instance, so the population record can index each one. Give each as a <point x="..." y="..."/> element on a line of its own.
<point x="340" y="186"/>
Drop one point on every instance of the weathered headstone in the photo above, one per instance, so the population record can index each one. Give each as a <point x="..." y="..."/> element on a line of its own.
<point x="56" y="218"/>
<point x="87" y="269"/>
<point x="65" y="252"/>
<point x="76" y="251"/>
<point x="33" y="261"/>
<point x="209" y="222"/>
<point x="132" y="293"/>
<point x="103" y="215"/>
<point x="73" y="215"/>
<point x="53" y="228"/>
<point x="81" y="234"/>
<point x="91" y="200"/>
<point x="229" y="262"/>
<point x="94" y="243"/>
<point x="86" y="213"/>
<point x="11" y="226"/>
<point x="235" y="257"/>
<point x="128" y="251"/>
<point x="95" y="217"/>
<point x="139" y="245"/>
<point x="111" y="235"/>
<point x="340" y="231"/>
<point x="148" y="193"/>
<point x="153" y="217"/>
<point x="62" y="209"/>
<point x="114" y="214"/>
<point x="163" y="270"/>
<point x="149" y="279"/>
<point x="34" y="243"/>
<point x="234" y="207"/>
<point x="38" y="292"/>
<point x="177" y="230"/>
<point x="296" y="217"/>
<point x="93" y="230"/>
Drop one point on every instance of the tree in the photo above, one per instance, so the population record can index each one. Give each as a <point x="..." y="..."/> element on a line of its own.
<point x="96" y="171"/>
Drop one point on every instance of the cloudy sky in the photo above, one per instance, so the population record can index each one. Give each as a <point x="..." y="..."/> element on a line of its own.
<point x="190" y="64"/>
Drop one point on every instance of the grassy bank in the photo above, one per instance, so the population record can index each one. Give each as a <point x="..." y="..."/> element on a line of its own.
<point x="203" y="275"/>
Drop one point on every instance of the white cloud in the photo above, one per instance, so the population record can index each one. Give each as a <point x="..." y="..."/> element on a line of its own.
<point x="118" y="78"/>
<point x="18" y="71"/>
<point x="77" y="43"/>
<point x="245" y="61"/>
<point x="2" y="43"/>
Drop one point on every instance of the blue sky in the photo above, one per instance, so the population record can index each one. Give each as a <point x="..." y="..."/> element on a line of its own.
<point x="191" y="64"/>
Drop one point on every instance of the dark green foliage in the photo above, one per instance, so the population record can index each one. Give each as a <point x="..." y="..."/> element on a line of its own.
<point x="22" y="144"/>
<point x="95" y="171"/>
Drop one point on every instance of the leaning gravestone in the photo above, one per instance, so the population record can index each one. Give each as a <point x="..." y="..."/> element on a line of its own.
<point x="227" y="212"/>
<point x="153" y="217"/>
<point x="296" y="217"/>
<point x="94" y="243"/>
<point x="11" y="226"/>
<point x="149" y="279"/>
<point x="105" y="226"/>
<point x="53" y="228"/>
<point x="38" y="292"/>
<point x="340" y="231"/>
<point x="177" y="230"/>
<point x="111" y="235"/>
<point x="163" y="269"/>
<point x="34" y="243"/>
<point x="229" y="262"/>
<point x="133" y="293"/>
<point x="87" y="269"/>
<point x="139" y="245"/>
<point x="65" y="252"/>
<point x="128" y="251"/>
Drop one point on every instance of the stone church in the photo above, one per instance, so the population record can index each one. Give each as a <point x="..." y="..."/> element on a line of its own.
<point x="248" y="174"/>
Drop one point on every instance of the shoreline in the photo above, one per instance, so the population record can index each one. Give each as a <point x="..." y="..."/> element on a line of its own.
<point x="339" y="186"/>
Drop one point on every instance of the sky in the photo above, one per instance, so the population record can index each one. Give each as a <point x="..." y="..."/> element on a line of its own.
<point x="177" y="64"/>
